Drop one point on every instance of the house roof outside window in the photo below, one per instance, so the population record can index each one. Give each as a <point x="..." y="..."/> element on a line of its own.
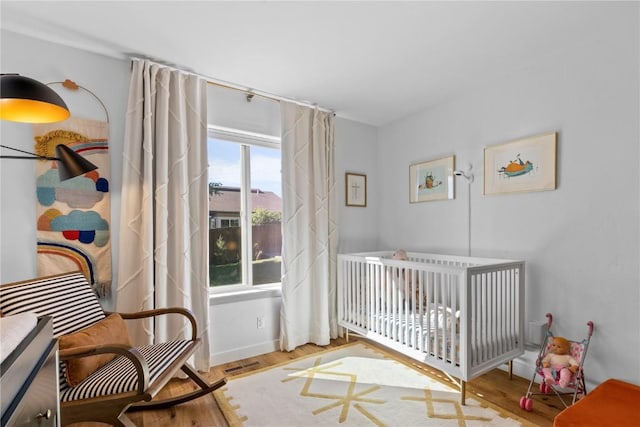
<point x="227" y="200"/>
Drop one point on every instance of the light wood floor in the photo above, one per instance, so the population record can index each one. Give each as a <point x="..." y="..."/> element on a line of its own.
<point x="493" y="386"/>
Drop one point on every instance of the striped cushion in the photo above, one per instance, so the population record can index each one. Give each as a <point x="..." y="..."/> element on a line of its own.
<point x="68" y="298"/>
<point x="73" y="304"/>
<point x="119" y="375"/>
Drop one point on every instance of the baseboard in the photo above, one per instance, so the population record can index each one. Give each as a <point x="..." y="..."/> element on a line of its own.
<point x="244" y="352"/>
<point x="523" y="366"/>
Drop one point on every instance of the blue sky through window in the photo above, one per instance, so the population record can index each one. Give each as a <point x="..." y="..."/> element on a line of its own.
<point x="224" y="166"/>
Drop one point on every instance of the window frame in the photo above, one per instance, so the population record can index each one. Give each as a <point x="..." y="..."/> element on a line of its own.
<point x="230" y="219"/>
<point x="245" y="139"/>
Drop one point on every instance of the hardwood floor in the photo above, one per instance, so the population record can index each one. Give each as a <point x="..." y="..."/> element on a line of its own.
<point x="494" y="386"/>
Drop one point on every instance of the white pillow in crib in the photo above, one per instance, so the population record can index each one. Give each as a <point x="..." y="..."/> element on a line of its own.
<point x="439" y="314"/>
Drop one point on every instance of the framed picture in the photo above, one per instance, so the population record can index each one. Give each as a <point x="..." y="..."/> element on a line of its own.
<point x="431" y="180"/>
<point x="523" y="165"/>
<point x="355" y="189"/>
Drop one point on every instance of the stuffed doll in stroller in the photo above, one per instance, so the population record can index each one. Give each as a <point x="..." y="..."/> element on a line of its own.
<point x="559" y="361"/>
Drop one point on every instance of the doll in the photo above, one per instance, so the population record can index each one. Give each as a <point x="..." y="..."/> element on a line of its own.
<point x="559" y="360"/>
<point x="400" y="255"/>
<point x="405" y="283"/>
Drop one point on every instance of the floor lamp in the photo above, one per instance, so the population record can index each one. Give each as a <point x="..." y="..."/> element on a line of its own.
<point x="26" y="100"/>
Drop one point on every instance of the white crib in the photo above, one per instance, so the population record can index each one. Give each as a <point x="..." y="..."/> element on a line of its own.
<point x="461" y="315"/>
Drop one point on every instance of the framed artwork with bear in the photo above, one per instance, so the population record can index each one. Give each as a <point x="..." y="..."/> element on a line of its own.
<point x="431" y="180"/>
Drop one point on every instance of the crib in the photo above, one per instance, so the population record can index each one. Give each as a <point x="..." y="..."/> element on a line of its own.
<point x="461" y="315"/>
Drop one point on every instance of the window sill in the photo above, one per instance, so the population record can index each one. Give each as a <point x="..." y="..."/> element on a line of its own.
<point x="244" y="293"/>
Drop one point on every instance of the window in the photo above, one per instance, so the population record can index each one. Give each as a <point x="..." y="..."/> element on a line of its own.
<point x="245" y="208"/>
<point x="229" y="222"/>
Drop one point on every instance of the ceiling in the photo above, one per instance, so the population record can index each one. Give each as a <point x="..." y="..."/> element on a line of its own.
<point x="373" y="62"/>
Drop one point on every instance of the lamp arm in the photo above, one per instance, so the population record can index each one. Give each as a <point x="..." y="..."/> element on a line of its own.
<point x="36" y="156"/>
<point x="70" y="163"/>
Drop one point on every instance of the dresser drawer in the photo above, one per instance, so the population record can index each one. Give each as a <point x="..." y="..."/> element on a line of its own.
<point x="36" y="402"/>
<point x="39" y="405"/>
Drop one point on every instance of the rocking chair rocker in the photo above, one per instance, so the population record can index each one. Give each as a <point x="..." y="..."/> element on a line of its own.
<point x="127" y="382"/>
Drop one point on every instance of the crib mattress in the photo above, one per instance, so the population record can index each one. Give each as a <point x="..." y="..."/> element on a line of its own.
<point x="612" y="403"/>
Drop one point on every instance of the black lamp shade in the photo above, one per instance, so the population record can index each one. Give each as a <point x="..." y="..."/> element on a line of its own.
<point x="71" y="164"/>
<point x="27" y="100"/>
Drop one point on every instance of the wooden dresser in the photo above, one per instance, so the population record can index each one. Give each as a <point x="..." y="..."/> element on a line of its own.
<point x="29" y="380"/>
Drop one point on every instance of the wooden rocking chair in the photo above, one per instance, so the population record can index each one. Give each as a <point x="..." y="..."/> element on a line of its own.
<point x="128" y="381"/>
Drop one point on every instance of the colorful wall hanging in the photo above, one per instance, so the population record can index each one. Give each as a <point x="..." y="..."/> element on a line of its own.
<point x="73" y="216"/>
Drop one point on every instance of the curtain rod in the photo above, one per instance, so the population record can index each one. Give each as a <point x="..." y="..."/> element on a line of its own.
<point x="250" y="92"/>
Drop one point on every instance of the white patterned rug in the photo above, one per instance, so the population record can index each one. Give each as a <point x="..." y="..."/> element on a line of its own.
<point x="352" y="385"/>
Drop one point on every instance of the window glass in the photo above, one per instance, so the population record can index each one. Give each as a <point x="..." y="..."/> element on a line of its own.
<point x="245" y="208"/>
<point x="266" y="213"/>
<point x="225" y="178"/>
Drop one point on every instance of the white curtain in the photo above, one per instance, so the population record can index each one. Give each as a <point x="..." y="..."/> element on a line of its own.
<point x="163" y="252"/>
<point x="309" y="304"/>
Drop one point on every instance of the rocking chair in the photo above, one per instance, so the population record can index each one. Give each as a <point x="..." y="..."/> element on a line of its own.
<point x="130" y="377"/>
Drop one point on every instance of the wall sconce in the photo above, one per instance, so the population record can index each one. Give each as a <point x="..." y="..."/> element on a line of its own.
<point x="468" y="176"/>
<point x="26" y="100"/>
<point x="70" y="163"/>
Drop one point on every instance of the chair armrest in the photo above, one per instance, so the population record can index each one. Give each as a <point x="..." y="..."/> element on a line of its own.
<point x="131" y="353"/>
<point x="161" y="311"/>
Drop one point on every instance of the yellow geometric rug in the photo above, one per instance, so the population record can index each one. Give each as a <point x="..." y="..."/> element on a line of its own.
<point x="352" y="385"/>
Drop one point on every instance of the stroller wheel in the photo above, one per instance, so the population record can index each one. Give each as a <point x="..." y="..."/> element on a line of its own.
<point x="526" y="403"/>
<point x="544" y="388"/>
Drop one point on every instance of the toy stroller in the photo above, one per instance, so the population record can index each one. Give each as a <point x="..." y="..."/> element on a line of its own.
<point x="560" y="385"/>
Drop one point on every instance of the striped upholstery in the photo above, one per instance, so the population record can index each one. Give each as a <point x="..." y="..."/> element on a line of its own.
<point x="73" y="304"/>
<point x="119" y="375"/>
<point x="69" y="299"/>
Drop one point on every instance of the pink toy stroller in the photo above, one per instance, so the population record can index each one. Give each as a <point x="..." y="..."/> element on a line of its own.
<point x="575" y="386"/>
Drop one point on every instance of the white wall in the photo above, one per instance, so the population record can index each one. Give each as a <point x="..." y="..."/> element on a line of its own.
<point x="234" y="332"/>
<point x="356" y="152"/>
<point x="581" y="241"/>
<point x="108" y="79"/>
<point x="229" y="108"/>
